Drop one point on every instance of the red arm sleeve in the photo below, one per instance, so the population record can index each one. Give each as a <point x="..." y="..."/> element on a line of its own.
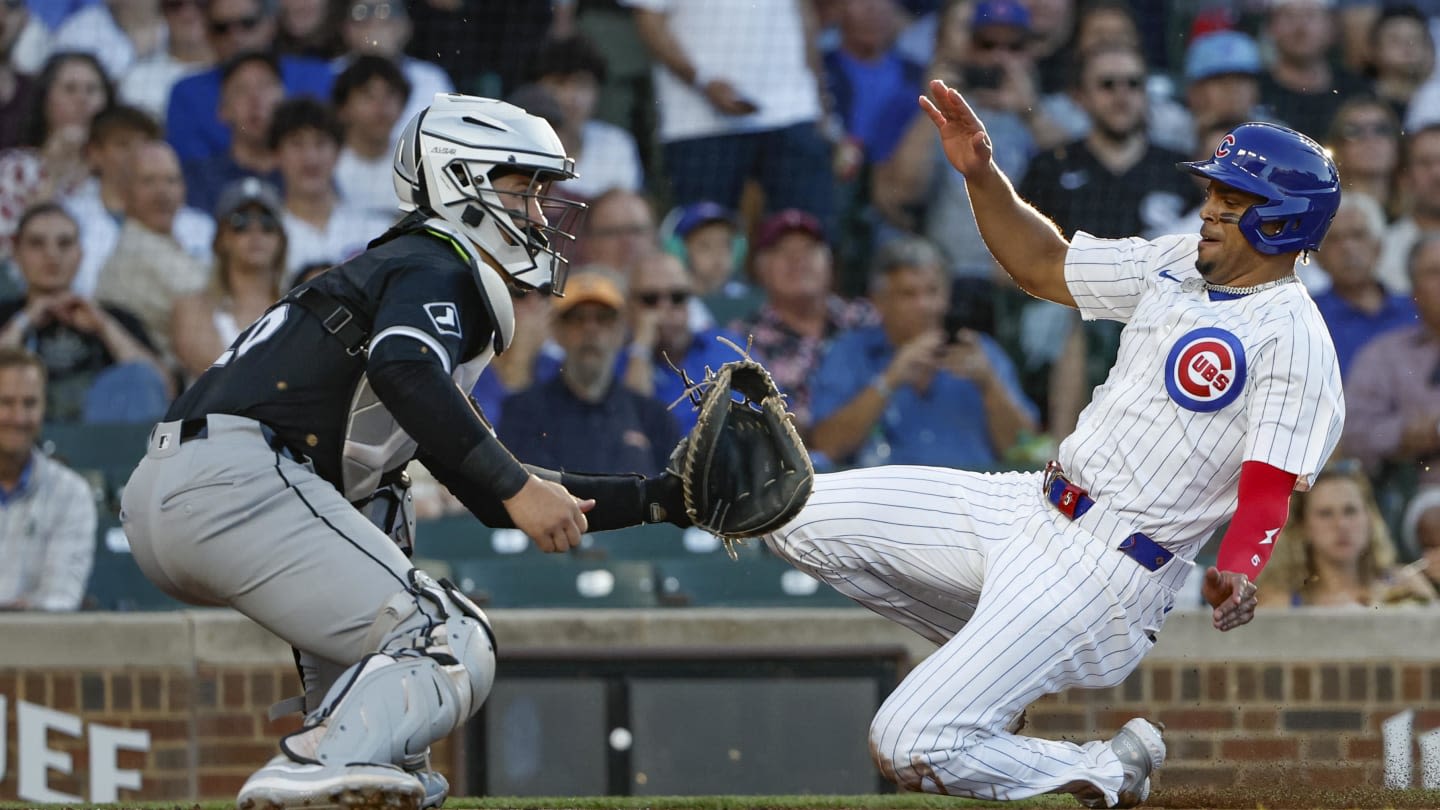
<point x="1264" y="505"/>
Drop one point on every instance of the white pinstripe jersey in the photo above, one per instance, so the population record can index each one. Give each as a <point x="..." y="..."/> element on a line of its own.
<point x="1203" y="382"/>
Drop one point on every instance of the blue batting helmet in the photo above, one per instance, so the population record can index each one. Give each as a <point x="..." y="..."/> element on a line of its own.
<point x="1298" y="181"/>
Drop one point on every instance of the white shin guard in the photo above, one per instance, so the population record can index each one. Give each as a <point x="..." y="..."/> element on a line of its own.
<point x="434" y="669"/>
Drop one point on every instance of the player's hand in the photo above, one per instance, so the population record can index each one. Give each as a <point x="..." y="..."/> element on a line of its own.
<point x="966" y="143"/>
<point x="1232" y="595"/>
<point x="549" y="514"/>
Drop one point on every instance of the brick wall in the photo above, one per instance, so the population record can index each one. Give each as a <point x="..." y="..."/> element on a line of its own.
<point x="208" y="727"/>
<point x="1240" y="709"/>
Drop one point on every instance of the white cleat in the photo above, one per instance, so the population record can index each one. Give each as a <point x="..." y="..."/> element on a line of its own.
<point x="1141" y="750"/>
<point x="284" y="784"/>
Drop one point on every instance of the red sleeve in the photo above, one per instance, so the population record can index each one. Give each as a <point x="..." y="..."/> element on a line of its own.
<point x="1264" y="505"/>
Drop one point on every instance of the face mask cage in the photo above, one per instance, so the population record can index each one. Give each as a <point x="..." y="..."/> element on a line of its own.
<point x="549" y="239"/>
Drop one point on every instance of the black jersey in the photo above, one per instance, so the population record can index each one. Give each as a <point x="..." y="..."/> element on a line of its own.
<point x="421" y="302"/>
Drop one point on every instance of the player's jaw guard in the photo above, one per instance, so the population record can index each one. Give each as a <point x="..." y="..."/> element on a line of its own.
<point x="1298" y="181"/>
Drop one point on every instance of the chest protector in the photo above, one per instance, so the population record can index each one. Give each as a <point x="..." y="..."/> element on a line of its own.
<point x="375" y="444"/>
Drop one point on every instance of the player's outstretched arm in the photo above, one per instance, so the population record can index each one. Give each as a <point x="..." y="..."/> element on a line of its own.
<point x="1027" y="245"/>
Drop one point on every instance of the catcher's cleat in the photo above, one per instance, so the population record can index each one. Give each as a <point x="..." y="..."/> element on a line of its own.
<point x="284" y="784"/>
<point x="437" y="787"/>
<point x="1141" y="750"/>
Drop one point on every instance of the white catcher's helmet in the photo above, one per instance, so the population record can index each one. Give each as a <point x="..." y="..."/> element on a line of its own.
<point x="445" y="162"/>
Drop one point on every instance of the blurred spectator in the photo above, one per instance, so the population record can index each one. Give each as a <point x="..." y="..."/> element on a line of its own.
<point x="310" y="28"/>
<point x="801" y="313"/>
<point x="148" y="82"/>
<point x="916" y="190"/>
<point x="51" y="13"/>
<point x="16" y="88"/>
<point x="246" y="278"/>
<point x="319" y="226"/>
<point x="1420" y="533"/>
<point x="1392" y="396"/>
<point x="234" y="27"/>
<point x="1113" y="183"/>
<point x="532" y="357"/>
<point x="1111" y="24"/>
<point x="1357" y="307"/>
<point x="1222" y="80"/>
<point x="490" y="58"/>
<point x="382" y="28"/>
<point x="584" y="420"/>
<point x="118" y="32"/>
<point x="872" y="84"/>
<point x="619" y="229"/>
<point x="116" y="135"/>
<point x="706" y="237"/>
<point x="661" y="340"/>
<point x="1402" y="56"/>
<point x="99" y="363"/>
<point x="47" y="512"/>
<point x="50" y="161"/>
<point x="1365" y="141"/>
<point x="368" y="97"/>
<point x="149" y="269"/>
<point x="1301" y="87"/>
<point x="1053" y="28"/>
<point x="1421" y="177"/>
<point x="1336" y="552"/>
<point x="32" y="45"/>
<point x="908" y="392"/>
<point x="606" y="157"/>
<point x="250" y="90"/>
<point x="738" y="96"/>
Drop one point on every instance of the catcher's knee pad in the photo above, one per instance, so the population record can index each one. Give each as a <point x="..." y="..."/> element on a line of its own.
<point x="433" y="669"/>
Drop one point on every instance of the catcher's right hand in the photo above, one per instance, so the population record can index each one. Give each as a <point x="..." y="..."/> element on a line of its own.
<point x="744" y="471"/>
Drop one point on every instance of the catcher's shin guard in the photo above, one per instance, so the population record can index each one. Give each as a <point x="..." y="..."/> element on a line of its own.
<point x="434" y="668"/>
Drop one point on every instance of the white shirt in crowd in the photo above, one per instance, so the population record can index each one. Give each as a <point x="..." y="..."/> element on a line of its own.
<point x="100" y="230"/>
<point x="347" y="233"/>
<point x="609" y="159"/>
<point x="366" y="184"/>
<point x="147" y="84"/>
<point x="93" y="29"/>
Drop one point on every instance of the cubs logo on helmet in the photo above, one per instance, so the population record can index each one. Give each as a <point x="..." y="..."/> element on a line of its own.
<point x="1205" y="370"/>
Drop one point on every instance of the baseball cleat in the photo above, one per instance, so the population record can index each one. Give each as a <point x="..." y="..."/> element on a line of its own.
<point x="437" y="787"/>
<point x="284" y="784"/>
<point x="1141" y="750"/>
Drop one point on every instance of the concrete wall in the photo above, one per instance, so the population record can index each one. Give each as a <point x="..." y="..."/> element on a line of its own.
<point x="1295" y="695"/>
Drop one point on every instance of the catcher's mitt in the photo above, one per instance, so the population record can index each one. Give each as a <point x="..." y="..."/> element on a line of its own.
<point x="743" y="468"/>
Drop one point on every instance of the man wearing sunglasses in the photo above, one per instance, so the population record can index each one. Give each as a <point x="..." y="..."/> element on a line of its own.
<point x="233" y="27"/>
<point x="276" y="484"/>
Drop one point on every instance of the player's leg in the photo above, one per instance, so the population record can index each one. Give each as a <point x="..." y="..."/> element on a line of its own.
<point x="905" y="542"/>
<point x="1059" y="609"/>
<point x="227" y="519"/>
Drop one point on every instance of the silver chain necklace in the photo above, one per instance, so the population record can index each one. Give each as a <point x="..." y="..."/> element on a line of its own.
<point x="1198" y="284"/>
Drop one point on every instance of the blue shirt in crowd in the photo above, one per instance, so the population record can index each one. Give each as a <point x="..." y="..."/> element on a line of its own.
<point x="548" y="426"/>
<point x="704" y="351"/>
<point x="1350" y="328"/>
<point x="944" y="427"/>
<point x="195" y="100"/>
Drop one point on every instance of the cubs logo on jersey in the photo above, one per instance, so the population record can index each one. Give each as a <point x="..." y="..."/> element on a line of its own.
<point x="1205" y="370"/>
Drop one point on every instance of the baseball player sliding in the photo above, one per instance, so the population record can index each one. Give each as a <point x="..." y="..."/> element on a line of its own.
<point x="1225" y="396"/>
<point x="275" y="485"/>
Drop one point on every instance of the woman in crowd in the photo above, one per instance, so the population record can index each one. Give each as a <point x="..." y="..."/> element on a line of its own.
<point x="50" y="162"/>
<point x="249" y="269"/>
<point x="1336" y="551"/>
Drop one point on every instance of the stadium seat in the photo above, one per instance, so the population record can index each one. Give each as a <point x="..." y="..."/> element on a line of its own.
<point x="556" y="581"/>
<point x="756" y="581"/>
<point x="116" y="582"/>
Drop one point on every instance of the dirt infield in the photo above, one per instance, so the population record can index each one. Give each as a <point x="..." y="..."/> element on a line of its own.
<point x="1285" y="798"/>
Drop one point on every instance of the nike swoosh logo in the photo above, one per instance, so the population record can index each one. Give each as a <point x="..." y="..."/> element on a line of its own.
<point x="1166" y="274"/>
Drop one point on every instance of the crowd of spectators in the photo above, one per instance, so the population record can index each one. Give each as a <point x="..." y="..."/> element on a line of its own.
<point x="757" y="173"/>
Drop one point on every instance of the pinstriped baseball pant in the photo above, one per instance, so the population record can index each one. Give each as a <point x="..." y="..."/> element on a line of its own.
<point x="1023" y="602"/>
